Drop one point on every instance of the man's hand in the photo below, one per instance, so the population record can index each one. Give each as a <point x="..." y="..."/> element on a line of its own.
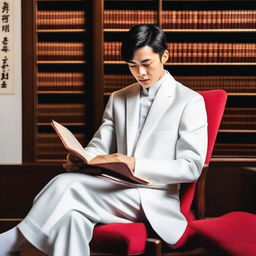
<point x="73" y="163"/>
<point x="116" y="157"/>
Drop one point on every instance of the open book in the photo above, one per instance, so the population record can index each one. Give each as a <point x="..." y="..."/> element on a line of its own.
<point x="117" y="170"/>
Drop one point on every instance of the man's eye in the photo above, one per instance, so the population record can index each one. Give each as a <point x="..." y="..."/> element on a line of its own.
<point x="145" y="65"/>
<point x="132" y="66"/>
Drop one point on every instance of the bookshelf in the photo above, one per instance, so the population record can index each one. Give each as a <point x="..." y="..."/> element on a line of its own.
<point x="211" y="45"/>
<point x="61" y="82"/>
<point x="77" y="65"/>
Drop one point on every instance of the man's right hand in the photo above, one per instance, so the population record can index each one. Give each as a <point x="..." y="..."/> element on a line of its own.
<point x="73" y="163"/>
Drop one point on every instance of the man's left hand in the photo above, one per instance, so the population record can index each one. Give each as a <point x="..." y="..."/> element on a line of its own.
<point x="116" y="157"/>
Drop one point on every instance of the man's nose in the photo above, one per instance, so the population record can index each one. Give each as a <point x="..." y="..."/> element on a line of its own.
<point x="141" y="71"/>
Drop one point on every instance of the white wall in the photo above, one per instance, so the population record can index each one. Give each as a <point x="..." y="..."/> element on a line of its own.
<point x="10" y="105"/>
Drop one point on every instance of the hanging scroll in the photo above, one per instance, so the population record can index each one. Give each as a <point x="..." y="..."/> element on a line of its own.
<point x="6" y="47"/>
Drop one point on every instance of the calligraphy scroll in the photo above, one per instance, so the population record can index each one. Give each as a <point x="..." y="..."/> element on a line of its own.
<point x="6" y="47"/>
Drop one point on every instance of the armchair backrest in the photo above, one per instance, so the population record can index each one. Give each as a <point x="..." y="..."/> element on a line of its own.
<point x="215" y="101"/>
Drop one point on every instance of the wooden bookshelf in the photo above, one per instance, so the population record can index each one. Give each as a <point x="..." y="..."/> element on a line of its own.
<point x="90" y="69"/>
<point x="199" y="25"/>
<point x="61" y="76"/>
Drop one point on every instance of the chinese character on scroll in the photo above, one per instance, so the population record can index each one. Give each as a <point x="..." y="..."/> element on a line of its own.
<point x="6" y="47"/>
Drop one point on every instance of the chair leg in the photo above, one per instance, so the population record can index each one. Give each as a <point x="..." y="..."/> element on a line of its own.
<point x="153" y="247"/>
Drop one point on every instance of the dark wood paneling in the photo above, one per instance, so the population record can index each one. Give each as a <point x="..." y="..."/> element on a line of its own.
<point x="28" y="81"/>
<point x="20" y="184"/>
<point x="230" y="189"/>
<point x="97" y="62"/>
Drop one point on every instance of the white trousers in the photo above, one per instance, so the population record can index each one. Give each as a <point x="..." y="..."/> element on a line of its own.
<point x="65" y="212"/>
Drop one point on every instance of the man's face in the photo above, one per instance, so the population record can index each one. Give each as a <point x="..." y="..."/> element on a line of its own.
<point x="147" y="67"/>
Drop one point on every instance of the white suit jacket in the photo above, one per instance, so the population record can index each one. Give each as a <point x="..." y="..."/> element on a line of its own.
<point x="171" y="148"/>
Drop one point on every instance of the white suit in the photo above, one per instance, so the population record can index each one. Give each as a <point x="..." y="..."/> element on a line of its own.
<point x="171" y="149"/>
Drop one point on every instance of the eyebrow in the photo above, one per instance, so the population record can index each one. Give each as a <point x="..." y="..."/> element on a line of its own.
<point x="141" y="61"/>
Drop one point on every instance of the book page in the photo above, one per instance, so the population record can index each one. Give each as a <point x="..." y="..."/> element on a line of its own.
<point x="69" y="140"/>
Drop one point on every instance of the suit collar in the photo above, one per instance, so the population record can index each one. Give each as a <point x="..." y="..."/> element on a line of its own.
<point x="162" y="101"/>
<point x="132" y="116"/>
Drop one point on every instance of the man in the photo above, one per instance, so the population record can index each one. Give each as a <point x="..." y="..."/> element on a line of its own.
<point x="158" y="127"/>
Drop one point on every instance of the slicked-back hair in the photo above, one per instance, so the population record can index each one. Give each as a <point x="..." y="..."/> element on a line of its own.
<point x="140" y="36"/>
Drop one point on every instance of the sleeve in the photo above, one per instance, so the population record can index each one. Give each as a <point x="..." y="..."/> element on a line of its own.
<point x="191" y="149"/>
<point x="104" y="140"/>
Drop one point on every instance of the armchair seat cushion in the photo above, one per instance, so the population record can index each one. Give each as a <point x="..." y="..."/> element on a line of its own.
<point x="234" y="232"/>
<point x="121" y="238"/>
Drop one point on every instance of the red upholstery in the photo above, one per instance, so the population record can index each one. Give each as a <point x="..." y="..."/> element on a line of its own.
<point x="121" y="238"/>
<point x="105" y="238"/>
<point x="234" y="232"/>
<point x="215" y="101"/>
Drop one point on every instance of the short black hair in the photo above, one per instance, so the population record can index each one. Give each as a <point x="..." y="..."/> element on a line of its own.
<point x="143" y="35"/>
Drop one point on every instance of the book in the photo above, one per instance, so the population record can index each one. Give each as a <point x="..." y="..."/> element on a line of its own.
<point x="117" y="170"/>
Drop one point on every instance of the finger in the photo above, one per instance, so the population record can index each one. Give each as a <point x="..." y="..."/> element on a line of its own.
<point x="69" y="166"/>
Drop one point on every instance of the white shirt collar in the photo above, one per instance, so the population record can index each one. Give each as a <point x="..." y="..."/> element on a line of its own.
<point x="151" y="91"/>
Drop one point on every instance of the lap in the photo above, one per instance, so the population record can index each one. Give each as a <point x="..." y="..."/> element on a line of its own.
<point x="98" y="198"/>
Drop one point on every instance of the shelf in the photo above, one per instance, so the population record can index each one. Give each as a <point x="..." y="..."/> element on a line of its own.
<point x="206" y="0"/>
<point x="241" y="94"/>
<point x="114" y="30"/>
<point x="193" y="64"/>
<point x="11" y="219"/>
<point x="175" y="0"/>
<point x="229" y="94"/>
<point x="229" y="159"/>
<point x="65" y="124"/>
<point x="59" y="30"/>
<point x="210" y="30"/>
<point x="60" y="92"/>
<point x="130" y="0"/>
<point x="237" y="131"/>
<point x="60" y="1"/>
<point x="51" y="160"/>
<point x="61" y="62"/>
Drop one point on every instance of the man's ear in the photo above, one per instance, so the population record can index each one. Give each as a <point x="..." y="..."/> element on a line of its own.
<point x="165" y="56"/>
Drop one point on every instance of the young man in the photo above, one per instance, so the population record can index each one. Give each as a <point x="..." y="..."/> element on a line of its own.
<point x="158" y="127"/>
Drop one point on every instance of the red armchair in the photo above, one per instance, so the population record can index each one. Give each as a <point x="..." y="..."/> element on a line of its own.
<point x="130" y="239"/>
<point x="231" y="234"/>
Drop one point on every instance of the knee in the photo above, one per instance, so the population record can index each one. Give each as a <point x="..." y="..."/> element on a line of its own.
<point x="63" y="180"/>
<point x="74" y="217"/>
<point x="58" y="185"/>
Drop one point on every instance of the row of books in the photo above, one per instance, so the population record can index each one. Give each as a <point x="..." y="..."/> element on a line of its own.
<point x="213" y="19"/>
<point x="234" y="150"/>
<point x="50" y="146"/>
<point x="63" y="81"/>
<point x="171" y="19"/>
<point x="196" y="52"/>
<point x="125" y="19"/>
<point x="179" y="52"/>
<point x="234" y="118"/>
<point x="232" y="84"/>
<point x="63" y="112"/>
<point x="182" y="19"/>
<point x="61" y="50"/>
<point x="61" y="19"/>
<point x="74" y="81"/>
<point x="239" y="118"/>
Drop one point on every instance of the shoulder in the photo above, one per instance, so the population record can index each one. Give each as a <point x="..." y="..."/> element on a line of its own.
<point x="130" y="89"/>
<point x="187" y="93"/>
